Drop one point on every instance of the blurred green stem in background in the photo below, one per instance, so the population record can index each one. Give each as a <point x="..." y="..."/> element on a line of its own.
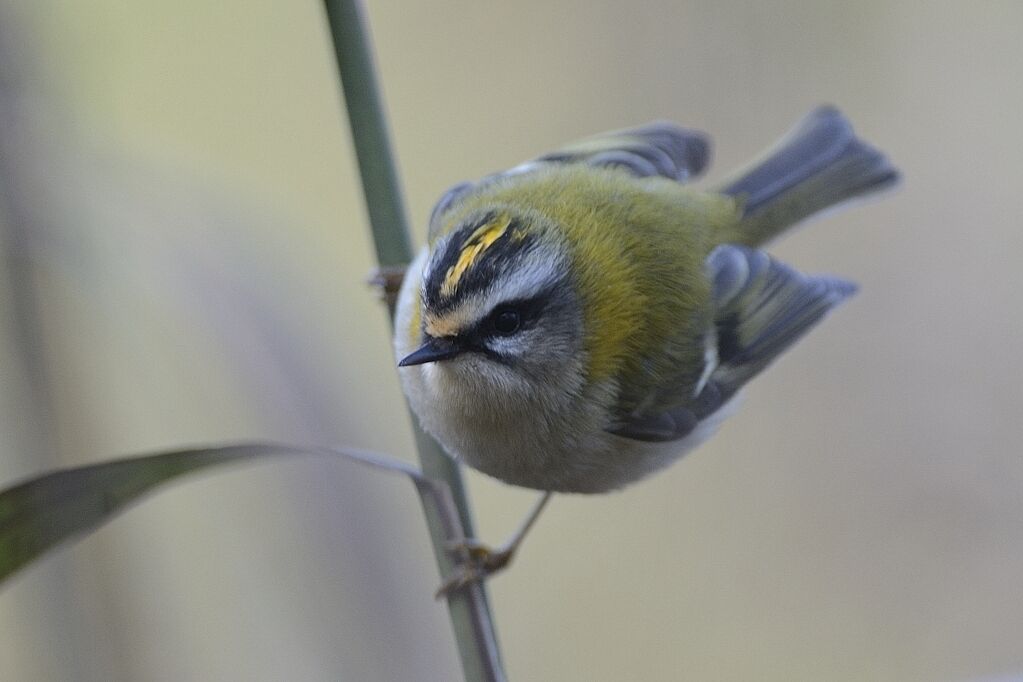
<point x="469" y="609"/>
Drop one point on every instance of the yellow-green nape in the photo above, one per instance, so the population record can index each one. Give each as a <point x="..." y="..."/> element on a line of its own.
<point x="613" y="307"/>
<point x="472" y="248"/>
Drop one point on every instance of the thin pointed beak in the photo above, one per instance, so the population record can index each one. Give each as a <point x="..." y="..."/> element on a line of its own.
<point x="433" y="350"/>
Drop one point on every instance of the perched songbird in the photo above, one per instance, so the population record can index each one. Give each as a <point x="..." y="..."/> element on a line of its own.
<point x="582" y="320"/>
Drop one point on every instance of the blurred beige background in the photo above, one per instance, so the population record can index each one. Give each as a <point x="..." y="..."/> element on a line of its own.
<point x="184" y="247"/>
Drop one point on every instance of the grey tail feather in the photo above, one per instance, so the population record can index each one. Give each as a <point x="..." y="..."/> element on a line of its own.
<point x="818" y="164"/>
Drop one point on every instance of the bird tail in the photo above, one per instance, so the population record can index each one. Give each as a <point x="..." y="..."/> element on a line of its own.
<point x="818" y="164"/>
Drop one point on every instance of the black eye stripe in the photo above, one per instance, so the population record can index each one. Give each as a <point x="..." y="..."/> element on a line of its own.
<point x="527" y="311"/>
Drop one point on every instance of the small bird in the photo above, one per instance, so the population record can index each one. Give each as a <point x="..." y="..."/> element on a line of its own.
<point x="582" y="320"/>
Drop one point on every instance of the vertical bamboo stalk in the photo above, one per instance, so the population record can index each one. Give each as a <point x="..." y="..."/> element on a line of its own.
<point x="469" y="608"/>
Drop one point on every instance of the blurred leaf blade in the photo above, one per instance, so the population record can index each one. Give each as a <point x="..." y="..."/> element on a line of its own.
<point x="40" y="513"/>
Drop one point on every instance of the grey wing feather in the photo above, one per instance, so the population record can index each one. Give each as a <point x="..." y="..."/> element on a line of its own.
<point x="761" y="308"/>
<point x="674" y="423"/>
<point x="657" y="428"/>
<point x="656" y="149"/>
<point x="449" y="199"/>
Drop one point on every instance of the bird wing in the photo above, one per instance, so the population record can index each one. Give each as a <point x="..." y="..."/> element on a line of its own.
<point x="761" y="307"/>
<point x="658" y="148"/>
<point x="655" y="149"/>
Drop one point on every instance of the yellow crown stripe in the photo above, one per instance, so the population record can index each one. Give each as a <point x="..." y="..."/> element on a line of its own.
<point x="478" y="242"/>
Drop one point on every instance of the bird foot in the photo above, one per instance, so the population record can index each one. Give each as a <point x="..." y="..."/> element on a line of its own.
<point x="477" y="562"/>
<point x="387" y="280"/>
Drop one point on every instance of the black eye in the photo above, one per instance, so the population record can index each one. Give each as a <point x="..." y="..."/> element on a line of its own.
<point x="506" y="321"/>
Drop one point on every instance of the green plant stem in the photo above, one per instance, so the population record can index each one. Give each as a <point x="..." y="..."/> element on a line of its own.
<point x="469" y="608"/>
